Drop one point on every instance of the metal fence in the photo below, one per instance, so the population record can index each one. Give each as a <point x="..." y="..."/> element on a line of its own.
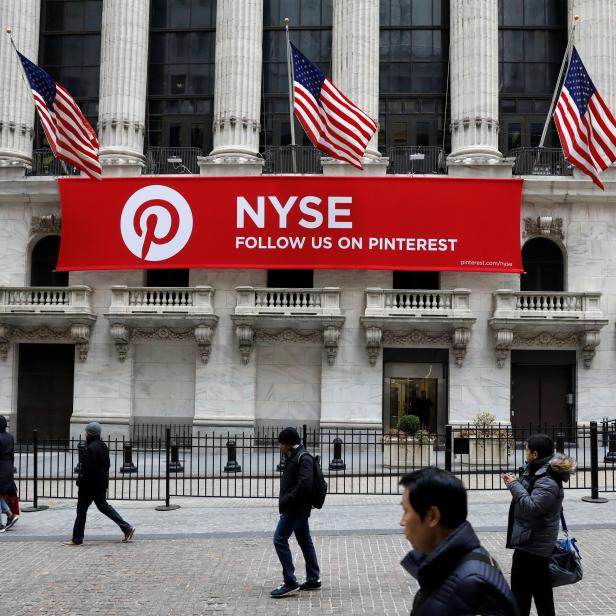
<point x="540" y="161"/>
<point x="163" y="161"/>
<point x="45" y="163"/>
<point x="159" y="463"/>
<point x="416" y="159"/>
<point x="292" y="159"/>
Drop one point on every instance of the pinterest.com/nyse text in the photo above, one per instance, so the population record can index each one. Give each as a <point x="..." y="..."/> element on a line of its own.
<point x="487" y="263"/>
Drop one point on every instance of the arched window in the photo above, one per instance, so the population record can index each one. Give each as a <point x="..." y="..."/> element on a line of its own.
<point x="43" y="264"/>
<point x="543" y="266"/>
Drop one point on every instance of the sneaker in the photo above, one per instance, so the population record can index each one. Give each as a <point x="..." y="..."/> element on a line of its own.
<point x="310" y="585"/>
<point x="128" y="535"/>
<point x="11" y="521"/>
<point x="70" y="542"/>
<point x="283" y="590"/>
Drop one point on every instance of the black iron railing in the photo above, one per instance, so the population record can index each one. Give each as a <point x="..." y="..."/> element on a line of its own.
<point x="45" y="163"/>
<point x="416" y="159"/>
<point x="160" y="464"/>
<point x="292" y="159"/>
<point x="540" y="161"/>
<point x="170" y="161"/>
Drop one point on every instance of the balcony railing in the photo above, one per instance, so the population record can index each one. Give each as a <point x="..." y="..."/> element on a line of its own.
<point x="171" y="161"/>
<point x="46" y="300"/>
<point x="541" y="305"/>
<point x="417" y="303"/>
<point x="540" y="161"/>
<point x="292" y="159"/>
<point x="271" y="301"/>
<point x="416" y="159"/>
<point x="45" y="163"/>
<point x="164" y="300"/>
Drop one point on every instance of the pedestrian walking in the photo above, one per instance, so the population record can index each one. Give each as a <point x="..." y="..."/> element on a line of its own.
<point x="534" y="517"/>
<point x="294" y="505"/>
<point x="456" y="575"/>
<point x="8" y="489"/>
<point x="93" y="481"/>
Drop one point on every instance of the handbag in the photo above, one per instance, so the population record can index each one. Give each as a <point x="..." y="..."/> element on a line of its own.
<point x="12" y="500"/>
<point x="565" y="562"/>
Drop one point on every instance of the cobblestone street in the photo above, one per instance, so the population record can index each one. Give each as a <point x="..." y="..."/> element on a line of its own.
<point x="171" y="571"/>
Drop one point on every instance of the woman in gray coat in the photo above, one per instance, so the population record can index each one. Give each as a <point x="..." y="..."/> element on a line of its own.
<point x="534" y="518"/>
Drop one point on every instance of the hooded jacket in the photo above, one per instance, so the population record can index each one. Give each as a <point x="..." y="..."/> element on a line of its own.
<point x="534" y="514"/>
<point x="7" y="460"/>
<point x="452" y="583"/>
<point x="94" y="475"/>
<point x="296" y="482"/>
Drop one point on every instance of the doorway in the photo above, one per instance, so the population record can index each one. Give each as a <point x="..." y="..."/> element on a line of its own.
<point x="542" y="389"/>
<point x="45" y="390"/>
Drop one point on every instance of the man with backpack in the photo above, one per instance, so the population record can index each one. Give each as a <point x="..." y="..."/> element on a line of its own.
<point x="298" y="492"/>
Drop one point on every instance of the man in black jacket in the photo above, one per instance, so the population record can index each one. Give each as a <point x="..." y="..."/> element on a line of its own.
<point x="457" y="577"/>
<point x="93" y="481"/>
<point x="294" y="504"/>
<point x="7" y="482"/>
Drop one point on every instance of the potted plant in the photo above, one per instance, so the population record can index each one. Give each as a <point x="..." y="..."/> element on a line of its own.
<point x="489" y="442"/>
<point x="407" y="445"/>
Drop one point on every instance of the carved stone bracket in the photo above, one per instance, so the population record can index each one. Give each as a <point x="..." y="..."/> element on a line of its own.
<point x="503" y="340"/>
<point x="45" y="224"/>
<point x="121" y="337"/>
<point x="589" y="341"/>
<point x="246" y="339"/>
<point x="374" y="340"/>
<point x="203" y="336"/>
<point x="331" y="336"/>
<point x="546" y="226"/>
<point x="79" y="333"/>
<point x="460" y="338"/>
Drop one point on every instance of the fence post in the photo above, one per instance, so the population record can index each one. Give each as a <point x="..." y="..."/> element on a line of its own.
<point x="167" y="506"/>
<point x="175" y="466"/>
<point x="128" y="466"/>
<point x="35" y="505"/>
<point x="337" y="463"/>
<point x="448" y="445"/>
<point x="594" y="467"/>
<point x="232" y="466"/>
<point x="305" y="436"/>
<point x="610" y="456"/>
<point x="560" y="442"/>
<point x="81" y="450"/>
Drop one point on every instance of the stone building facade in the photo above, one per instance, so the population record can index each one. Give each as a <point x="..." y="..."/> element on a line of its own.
<point x="81" y="347"/>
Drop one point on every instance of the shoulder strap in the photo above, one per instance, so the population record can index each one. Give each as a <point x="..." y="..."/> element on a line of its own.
<point x="564" y="524"/>
<point x="485" y="558"/>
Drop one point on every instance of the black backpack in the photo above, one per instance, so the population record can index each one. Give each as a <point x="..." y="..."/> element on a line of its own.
<point x="319" y="485"/>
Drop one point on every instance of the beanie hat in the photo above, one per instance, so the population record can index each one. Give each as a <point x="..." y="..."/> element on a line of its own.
<point x="3" y="423"/>
<point x="93" y="428"/>
<point x="289" y="436"/>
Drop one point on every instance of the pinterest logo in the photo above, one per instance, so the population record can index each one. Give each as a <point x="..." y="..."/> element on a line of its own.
<point x="156" y="223"/>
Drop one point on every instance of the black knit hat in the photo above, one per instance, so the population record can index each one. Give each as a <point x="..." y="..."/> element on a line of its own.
<point x="289" y="436"/>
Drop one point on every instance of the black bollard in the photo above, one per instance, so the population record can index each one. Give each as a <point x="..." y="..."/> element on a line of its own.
<point x="610" y="456"/>
<point x="81" y="452"/>
<point x="175" y="466"/>
<point x="560" y="442"/>
<point x="35" y="504"/>
<point x="232" y="466"/>
<point x="337" y="463"/>
<point x="128" y="466"/>
<point x="594" y="468"/>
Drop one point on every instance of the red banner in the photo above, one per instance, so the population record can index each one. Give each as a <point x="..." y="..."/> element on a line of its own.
<point x="402" y="223"/>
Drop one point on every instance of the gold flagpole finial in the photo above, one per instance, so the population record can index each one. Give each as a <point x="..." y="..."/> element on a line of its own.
<point x="286" y="21"/>
<point x="8" y="30"/>
<point x="576" y="18"/>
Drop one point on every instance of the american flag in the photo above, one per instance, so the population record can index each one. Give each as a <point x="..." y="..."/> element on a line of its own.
<point x="70" y="135"/>
<point x="334" y="124"/>
<point x="586" y="127"/>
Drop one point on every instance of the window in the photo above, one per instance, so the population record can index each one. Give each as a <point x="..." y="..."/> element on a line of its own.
<point x="290" y="278"/>
<point x="181" y="73"/>
<point x="70" y="51"/>
<point x="414" y="52"/>
<point x="310" y="29"/>
<point x="43" y="264"/>
<point x="532" y="41"/>
<point x="427" y="281"/>
<point x="167" y="278"/>
<point x="543" y="266"/>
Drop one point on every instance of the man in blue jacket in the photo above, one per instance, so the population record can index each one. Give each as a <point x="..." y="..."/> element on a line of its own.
<point x="294" y="504"/>
<point x="457" y="577"/>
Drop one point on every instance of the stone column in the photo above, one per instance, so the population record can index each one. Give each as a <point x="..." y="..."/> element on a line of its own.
<point x="596" y="43"/>
<point x="16" y="106"/>
<point x="124" y="67"/>
<point x="474" y="83"/>
<point x="355" y="72"/>
<point x="237" y="89"/>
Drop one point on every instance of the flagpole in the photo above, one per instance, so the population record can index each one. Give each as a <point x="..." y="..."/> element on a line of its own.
<point x="563" y="66"/>
<point x="9" y="31"/>
<point x="290" y="73"/>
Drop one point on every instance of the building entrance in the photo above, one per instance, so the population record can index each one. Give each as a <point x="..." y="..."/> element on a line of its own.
<point x="45" y="390"/>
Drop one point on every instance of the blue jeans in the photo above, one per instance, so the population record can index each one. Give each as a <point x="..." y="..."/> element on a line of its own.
<point x="84" y="500"/>
<point x="297" y="523"/>
<point x="4" y="508"/>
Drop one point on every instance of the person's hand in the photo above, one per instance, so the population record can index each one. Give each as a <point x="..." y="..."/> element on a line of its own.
<point x="508" y="478"/>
